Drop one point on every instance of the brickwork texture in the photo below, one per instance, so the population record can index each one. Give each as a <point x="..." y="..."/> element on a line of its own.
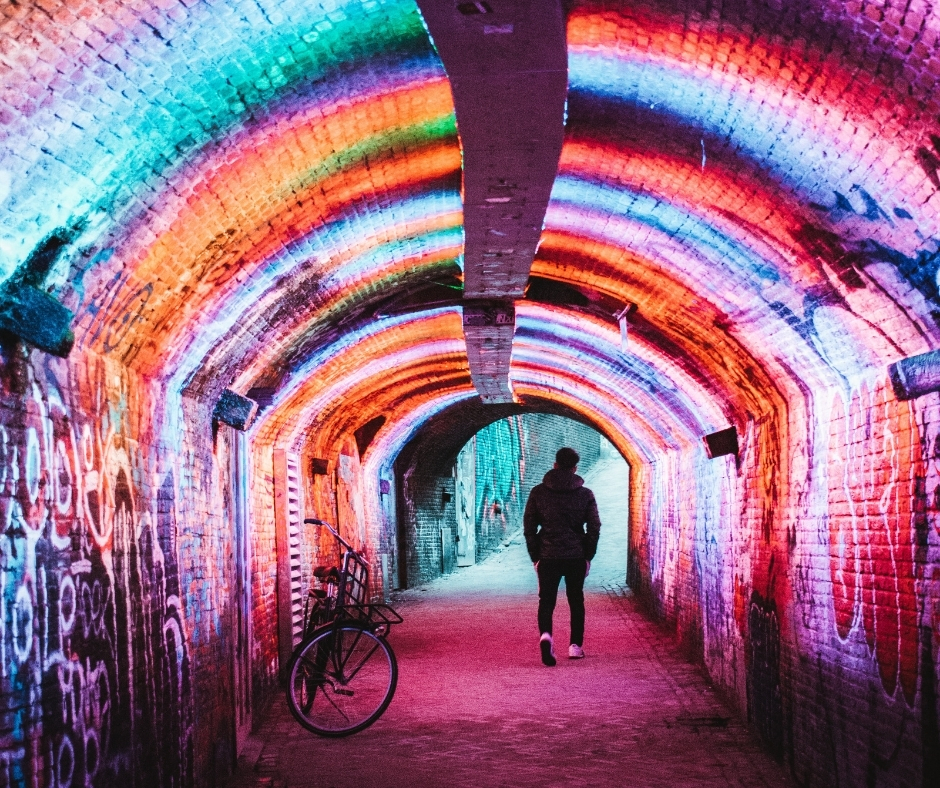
<point x="265" y="196"/>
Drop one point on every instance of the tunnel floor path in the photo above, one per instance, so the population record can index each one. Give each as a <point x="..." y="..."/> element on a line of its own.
<point x="475" y="706"/>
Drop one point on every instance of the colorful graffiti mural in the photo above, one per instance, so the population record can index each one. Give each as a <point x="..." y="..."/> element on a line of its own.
<point x="877" y="510"/>
<point x="95" y="662"/>
<point x="265" y="195"/>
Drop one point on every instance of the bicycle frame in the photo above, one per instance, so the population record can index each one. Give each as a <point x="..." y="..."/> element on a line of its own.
<point x="342" y="676"/>
<point x="352" y="589"/>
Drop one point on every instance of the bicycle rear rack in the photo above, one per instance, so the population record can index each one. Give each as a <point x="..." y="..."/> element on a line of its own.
<point x="377" y="614"/>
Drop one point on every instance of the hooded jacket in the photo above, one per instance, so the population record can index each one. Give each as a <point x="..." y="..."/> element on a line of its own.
<point x="555" y="516"/>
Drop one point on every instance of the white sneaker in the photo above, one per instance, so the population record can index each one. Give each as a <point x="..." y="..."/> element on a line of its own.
<point x="547" y="648"/>
<point x="575" y="651"/>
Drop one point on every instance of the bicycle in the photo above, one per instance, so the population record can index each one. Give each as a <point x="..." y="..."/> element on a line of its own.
<point x="342" y="676"/>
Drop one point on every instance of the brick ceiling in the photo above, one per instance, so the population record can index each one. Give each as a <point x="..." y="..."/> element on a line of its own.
<point x="307" y="202"/>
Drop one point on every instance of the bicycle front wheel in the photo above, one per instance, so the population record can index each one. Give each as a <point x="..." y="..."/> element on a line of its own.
<point x="341" y="679"/>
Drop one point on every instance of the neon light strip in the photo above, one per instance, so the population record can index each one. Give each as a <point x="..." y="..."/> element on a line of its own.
<point x="643" y="367"/>
<point x="741" y="111"/>
<point x="398" y="255"/>
<point x="158" y="98"/>
<point x="409" y="328"/>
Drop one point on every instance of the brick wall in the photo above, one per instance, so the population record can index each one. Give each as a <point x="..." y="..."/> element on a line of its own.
<point x="426" y="506"/>
<point x="264" y="575"/>
<point x="793" y="574"/>
<point x="114" y="579"/>
<point x="118" y="579"/>
<point x="218" y="200"/>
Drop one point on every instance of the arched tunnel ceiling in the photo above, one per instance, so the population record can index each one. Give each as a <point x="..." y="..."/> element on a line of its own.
<point x="266" y="195"/>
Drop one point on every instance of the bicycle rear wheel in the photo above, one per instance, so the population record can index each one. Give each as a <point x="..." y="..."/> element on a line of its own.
<point x="341" y="679"/>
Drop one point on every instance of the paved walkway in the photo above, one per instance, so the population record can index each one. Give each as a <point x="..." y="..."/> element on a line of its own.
<point x="475" y="706"/>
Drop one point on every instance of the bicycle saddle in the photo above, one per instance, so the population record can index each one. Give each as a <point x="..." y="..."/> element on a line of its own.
<point x="326" y="573"/>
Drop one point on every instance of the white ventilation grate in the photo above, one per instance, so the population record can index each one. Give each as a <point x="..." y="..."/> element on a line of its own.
<point x="294" y="517"/>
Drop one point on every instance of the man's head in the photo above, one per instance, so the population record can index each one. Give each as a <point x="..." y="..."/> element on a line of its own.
<point x="566" y="459"/>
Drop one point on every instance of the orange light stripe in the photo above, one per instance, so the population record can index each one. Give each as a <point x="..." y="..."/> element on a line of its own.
<point x="170" y="309"/>
<point x="384" y="344"/>
<point x="278" y="342"/>
<point x="257" y="187"/>
<point x="688" y="320"/>
<point x="613" y="431"/>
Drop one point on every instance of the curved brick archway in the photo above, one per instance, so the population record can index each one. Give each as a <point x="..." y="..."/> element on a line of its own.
<point x="274" y="198"/>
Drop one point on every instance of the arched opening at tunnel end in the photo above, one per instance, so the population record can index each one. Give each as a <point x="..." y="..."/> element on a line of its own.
<point x="458" y="504"/>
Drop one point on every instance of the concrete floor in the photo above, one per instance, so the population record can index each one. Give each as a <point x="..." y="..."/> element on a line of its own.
<point x="475" y="706"/>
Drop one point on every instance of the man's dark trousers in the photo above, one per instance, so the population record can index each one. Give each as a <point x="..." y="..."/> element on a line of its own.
<point x="551" y="571"/>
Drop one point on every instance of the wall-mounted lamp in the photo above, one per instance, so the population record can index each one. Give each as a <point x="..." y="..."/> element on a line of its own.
<point x="235" y="410"/>
<point x="27" y="310"/>
<point x="916" y="375"/>
<point x="720" y="443"/>
<point x="36" y="317"/>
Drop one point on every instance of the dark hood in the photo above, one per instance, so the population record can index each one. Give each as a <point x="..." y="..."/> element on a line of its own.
<point x="558" y="479"/>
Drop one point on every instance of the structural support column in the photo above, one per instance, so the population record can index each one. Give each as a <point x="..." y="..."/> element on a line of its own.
<point x="508" y="67"/>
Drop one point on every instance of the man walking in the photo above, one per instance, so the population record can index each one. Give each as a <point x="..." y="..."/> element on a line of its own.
<point x="559" y="546"/>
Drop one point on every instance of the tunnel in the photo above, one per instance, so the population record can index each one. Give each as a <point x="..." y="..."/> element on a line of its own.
<point x="263" y="260"/>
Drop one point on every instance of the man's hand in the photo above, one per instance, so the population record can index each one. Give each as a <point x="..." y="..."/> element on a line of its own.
<point x="587" y="568"/>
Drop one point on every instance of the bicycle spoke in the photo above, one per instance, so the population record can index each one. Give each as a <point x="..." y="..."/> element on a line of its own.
<point x="333" y="704"/>
<point x="351" y="675"/>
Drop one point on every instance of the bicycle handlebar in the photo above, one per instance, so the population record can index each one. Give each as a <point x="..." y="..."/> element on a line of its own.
<point x="343" y="542"/>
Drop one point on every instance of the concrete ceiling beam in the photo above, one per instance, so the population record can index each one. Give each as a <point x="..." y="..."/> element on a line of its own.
<point x="508" y="67"/>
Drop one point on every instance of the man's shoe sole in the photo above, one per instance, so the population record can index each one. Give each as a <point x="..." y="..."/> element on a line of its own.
<point x="548" y="659"/>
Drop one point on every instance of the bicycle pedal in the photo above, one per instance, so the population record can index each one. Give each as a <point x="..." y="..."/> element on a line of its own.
<point x="341" y="691"/>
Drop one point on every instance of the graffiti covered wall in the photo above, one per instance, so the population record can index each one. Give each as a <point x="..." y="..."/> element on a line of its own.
<point x="825" y="593"/>
<point x="511" y="457"/>
<point x="115" y="583"/>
